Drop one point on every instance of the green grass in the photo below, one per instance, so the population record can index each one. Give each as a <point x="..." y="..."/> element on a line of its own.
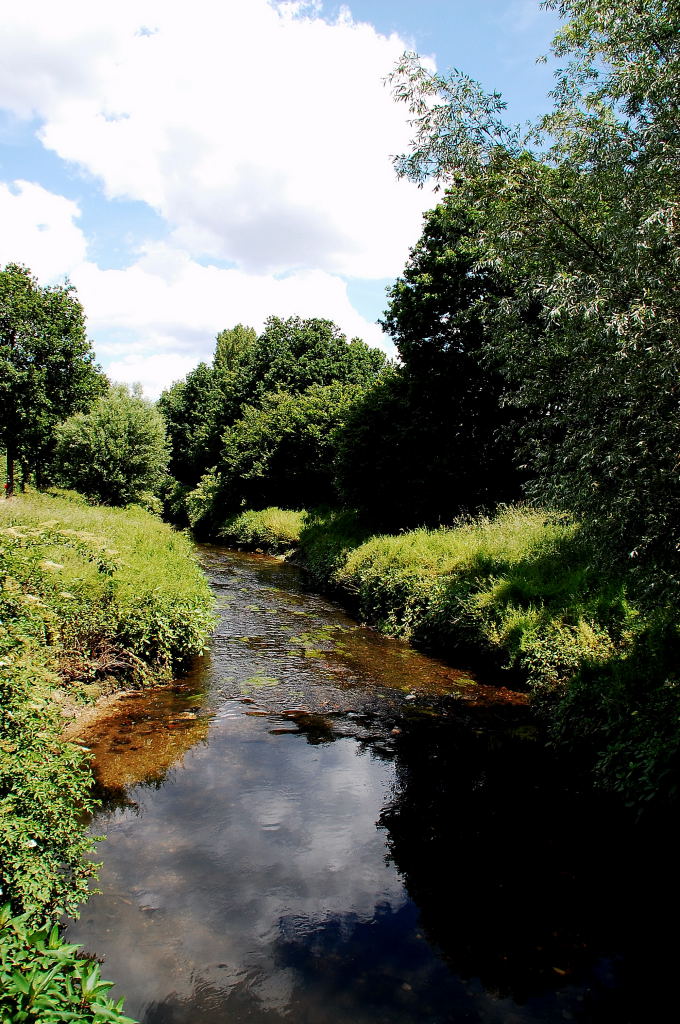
<point x="517" y="586"/>
<point x="271" y="529"/>
<point x="90" y="599"/>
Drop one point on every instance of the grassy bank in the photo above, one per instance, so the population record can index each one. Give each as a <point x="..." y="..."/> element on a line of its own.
<point x="91" y="599"/>
<point x="274" y="530"/>
<point x="520" y="591"/>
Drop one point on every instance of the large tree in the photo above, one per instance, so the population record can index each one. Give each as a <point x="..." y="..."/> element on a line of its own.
<point x="282" y="452"/>
<point x="580" y="215"/>
<point x="433" y="440"/>
<point x="47" y="368"/>
<point x="289" y="355"/>
<point x="292" y="354"/>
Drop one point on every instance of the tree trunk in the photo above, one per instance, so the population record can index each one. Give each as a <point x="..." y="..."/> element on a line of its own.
<point x="11" y="454"/>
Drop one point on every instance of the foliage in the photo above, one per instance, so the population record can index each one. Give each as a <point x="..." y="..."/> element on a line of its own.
<point x="325" y="541"/>
<point x="285" y="449"/>
<point x="579" y="216"/>
<point x="271" y="529"/>
<point x="42" y="978"/>
<point x="117" y="452"/>
<point x="44" y="785"/>
<point x="431" y="440"/>
<point x="89" y="598"/>
<point x="289" y="356"/>
<point x="46" y="366"/>
<point x="281" y="451"/>
<point x="192" y="409"/>
<point x="232" y="349"/>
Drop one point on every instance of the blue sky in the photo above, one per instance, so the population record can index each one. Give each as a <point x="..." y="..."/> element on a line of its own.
<point x="190" y="167"/>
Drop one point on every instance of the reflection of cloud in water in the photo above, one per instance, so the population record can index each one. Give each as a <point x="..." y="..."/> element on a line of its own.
<point x="257" y="831"/>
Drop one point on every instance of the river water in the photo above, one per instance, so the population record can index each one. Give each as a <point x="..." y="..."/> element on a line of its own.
<point x="321" y="825"/>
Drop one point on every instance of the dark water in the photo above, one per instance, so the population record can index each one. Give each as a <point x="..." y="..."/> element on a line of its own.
<point x="320" y="825"/>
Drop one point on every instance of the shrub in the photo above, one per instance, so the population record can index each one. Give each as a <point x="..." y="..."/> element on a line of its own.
<point x="117" y="452"/>
<point x="42" y="978"/>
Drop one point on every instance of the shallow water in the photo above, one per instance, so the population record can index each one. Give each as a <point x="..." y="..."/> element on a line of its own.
<point x="319" y="824"/>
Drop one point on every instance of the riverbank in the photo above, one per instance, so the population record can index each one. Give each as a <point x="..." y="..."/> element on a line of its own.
<point x="93" y="600"/>
<point x="520" y="591"/>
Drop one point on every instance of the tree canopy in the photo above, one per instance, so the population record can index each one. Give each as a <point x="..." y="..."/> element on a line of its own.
<point x="47" y="368"/>
<point x="289" y="356"/>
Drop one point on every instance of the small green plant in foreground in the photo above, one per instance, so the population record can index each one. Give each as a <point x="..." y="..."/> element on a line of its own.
<point x="42" y="978"/>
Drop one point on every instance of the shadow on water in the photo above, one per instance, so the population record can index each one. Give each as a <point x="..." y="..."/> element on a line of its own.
<point x="319" y="824"/>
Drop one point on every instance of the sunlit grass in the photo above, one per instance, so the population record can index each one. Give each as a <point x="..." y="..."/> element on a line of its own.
<point x="273" y="529"/>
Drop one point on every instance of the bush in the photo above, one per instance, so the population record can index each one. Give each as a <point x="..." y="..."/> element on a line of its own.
<point x="116" y="453"/>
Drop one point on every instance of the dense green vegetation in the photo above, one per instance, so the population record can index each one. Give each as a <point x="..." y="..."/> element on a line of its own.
<point x="90" y="599"/>
<point x="268" y="529"/>
<point x="536" y="327"/>
<point x="116" y="452"/>
<point x="247" y="371"/>
<point x="433" y="439"/>
<point x="579" y="216"/>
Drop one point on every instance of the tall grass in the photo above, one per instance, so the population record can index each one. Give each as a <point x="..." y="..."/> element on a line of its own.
<point x="271" y="529"/>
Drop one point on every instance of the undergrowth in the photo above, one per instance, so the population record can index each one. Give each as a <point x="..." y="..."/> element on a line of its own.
<point x="90" y="599"/>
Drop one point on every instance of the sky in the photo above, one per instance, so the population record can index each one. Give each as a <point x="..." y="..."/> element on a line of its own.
<point x="193" y="166"/>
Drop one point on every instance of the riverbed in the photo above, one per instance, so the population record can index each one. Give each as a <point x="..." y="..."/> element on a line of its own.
<point x="320" y="824"/>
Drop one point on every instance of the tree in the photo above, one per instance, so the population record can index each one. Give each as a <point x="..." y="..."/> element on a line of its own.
<point x="192" y="409"/>
<point x="290" y="355"/>
<point x="279" y="453"/>
<point x="232" y="348"/>
<point x="117" y="452"/>
<point x="432" y="440"/>
<point x="47" y="369"/>
<point x="580" y="216"/>
<point x="198" y="408"/>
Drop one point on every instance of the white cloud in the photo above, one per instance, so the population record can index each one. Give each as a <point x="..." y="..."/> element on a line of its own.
<point x="261" y="132"/>
<point x="162" y="314"/>
<point x="38" y="230"/>
<point x="157" y="318"/>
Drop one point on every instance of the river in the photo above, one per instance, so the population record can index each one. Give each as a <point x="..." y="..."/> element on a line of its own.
<point x="321" y="825"/>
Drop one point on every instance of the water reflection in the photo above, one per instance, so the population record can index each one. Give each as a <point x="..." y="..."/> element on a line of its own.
<point x="353" y="836"/>
<point x="281" y="841"/>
